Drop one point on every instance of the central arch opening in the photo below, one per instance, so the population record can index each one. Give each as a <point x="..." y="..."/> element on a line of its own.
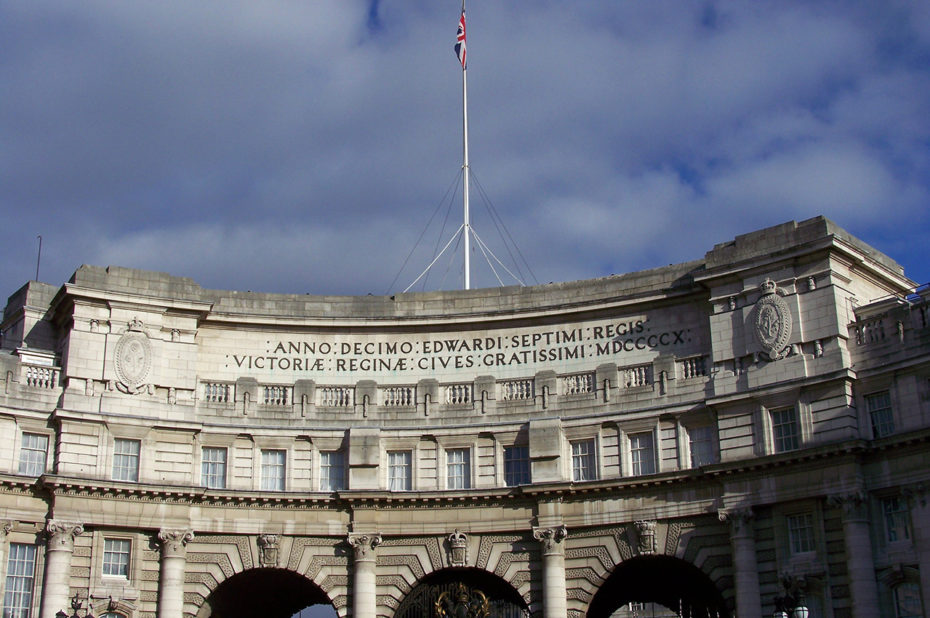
<point x="459" y="590"/>
<point x="680" y="587"/>
<point x="270" y="593"/>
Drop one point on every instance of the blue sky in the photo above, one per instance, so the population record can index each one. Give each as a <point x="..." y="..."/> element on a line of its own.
<point x="288" y="146"/>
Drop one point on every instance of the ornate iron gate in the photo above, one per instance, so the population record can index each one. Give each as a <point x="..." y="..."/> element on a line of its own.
<point x="456" y="599"/>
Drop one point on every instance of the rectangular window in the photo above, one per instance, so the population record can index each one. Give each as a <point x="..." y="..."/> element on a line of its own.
<point x="643" y="453"/>
<point x="516" y="465"/>
<point x="274" y="467"/>
<point x="126" y="460"/>
<point x="33" y="454"/>
<point x="332" y="471"/>
<point x="213" y="467"/>
<point x="399" y="470"/>
<point x="584" y="462"/>
<point x="20" y="580"/>
<point x="801" y="533"/>
<point x="701" y="443"/>
<point x="907" y="601"/>
<point x="458" y="468"/>
<point x="879" y="407"/>
<point x="786" y="433"/>
<point x="897" y="521"/>
<point x="116" y="557"/>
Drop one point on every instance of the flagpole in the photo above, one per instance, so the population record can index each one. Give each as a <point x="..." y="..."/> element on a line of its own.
<point x="466" y="225"/>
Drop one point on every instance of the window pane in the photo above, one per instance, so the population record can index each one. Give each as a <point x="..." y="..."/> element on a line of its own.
<point x="879" y="407"/>
<point x="458" y="471"/>
<point x="801" y="533"/>
<point x="583" y="461"/>
<point x="399" y="472"/>
<point x="33" y="454"/>
<point x="897" y="524"/>
<point x="332" y="471"/>
<point x="907" y="601"/>
<point x="516" y="465"/>
<point x="785" y="430"/>
<point x="20" y="578"/>
<point x="701" y="442"/>
<point x="213" y="467"/>
<point x="642" y="453"/>
<point x="116" y="557"/>
<point x="273" y="470"/>
<point x="126" y="460"/>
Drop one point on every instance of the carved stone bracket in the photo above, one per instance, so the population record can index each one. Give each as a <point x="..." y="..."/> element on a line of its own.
<point x="173" y="542"/>
<point x="61" y="533"/>
<point x="6" y="527"/>
<point x="268" y="549"/>
<point x="458" y="542"/>
<point x="364" y="545"/>
<point x="551" y="538"/>
<point x="646" y="536"/>
<point x="853" y="504"/>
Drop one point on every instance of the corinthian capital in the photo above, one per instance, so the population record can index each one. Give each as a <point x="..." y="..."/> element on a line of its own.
<point x="173" y="542"/>
<point x="364" y="544"/>
<point x="61" y="533"/>
<point x="740" y="519"/>
<point x="853" y="504"/>
<point x="551" y="538"/>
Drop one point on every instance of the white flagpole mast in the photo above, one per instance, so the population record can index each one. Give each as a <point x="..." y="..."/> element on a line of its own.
<point x="466" y="225"/>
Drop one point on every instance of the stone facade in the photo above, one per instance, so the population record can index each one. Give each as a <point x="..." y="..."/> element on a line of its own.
<point x="754" y="423"/>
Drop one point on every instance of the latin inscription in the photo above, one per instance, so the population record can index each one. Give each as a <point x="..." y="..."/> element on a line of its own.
<point x="432" y="353"/>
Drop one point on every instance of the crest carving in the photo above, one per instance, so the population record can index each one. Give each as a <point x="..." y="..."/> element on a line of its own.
<point x="462" y="603"/>
<point x="772" y="321"/>
<point x="458" y="542"/>
<point x="133" y="359"/>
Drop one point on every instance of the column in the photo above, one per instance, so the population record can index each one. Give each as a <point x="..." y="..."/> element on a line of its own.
<point x="555" y="604"/>
<point x="364" y="597"/>
<point x="860" y="567"/>
<point x="745" y="568"/>
<point x="171" y="580"/>
<point x="58" y="550"/>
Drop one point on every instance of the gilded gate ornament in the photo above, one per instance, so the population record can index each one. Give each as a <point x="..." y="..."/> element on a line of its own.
<point x="133" y="359"/>
<point x="463" y="603"/>
<point x="772" y="321"/>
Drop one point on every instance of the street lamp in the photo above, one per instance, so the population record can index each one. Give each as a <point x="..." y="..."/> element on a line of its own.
<point x="76" y="605"/>
<point x="784" y="609"/>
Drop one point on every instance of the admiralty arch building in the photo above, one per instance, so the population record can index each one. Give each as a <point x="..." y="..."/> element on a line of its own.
<point x="743" y="435"/>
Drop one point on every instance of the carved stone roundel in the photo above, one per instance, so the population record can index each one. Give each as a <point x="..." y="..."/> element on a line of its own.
<point x="133" y="360"/>
<point x="772" y="323"/>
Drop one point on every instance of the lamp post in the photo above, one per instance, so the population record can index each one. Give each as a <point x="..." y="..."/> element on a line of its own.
<point x="76" y="605"/>
<point x="784" y="609"/>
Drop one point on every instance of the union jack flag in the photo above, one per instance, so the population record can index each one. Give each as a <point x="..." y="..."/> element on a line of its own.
<point x="460" y="40"/>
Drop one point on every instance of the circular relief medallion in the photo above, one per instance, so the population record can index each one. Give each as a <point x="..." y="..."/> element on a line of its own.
<point x="772" y="324"/>
<point x="133" y="360"/>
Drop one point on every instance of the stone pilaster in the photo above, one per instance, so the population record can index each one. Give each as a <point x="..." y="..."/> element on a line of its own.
<point x="555" y="602"/>
<point x="745" y="566"/>
<point x="6" y="527"/>
<point x="860" y="566"/>
<point x="920" y="516"/>
<point x="364" y="591"/>
<point x="171" y="581"/>
<point x="58" y="551"/>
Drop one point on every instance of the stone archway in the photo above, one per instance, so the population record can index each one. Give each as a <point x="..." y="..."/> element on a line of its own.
<point x="266" y="592"/>
<point x="674" y="583"/>
<point x="487" y="595"/>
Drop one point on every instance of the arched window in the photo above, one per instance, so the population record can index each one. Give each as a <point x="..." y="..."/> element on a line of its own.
<point x="112" y="615"/>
